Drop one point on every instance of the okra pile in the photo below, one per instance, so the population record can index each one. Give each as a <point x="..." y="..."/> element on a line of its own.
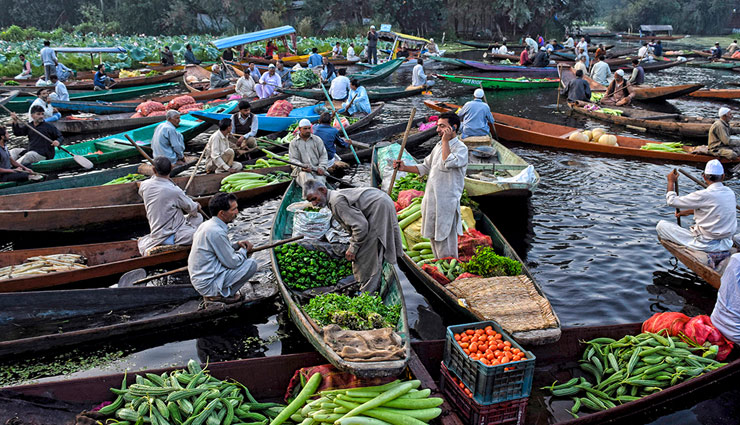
<point x="187" y="397"/>
<point x="633" y="367"/>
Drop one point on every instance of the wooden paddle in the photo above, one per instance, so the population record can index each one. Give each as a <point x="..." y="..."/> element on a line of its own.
<point x="131" y="278"/>
<point x="195" y="168"/>
<point x="79" y="159"/>
<point x="327" y="175"/>
<point x="678" y="210"/>
<point x="138" y="148"/>
<point x="485" y="98"/>
<point x="341" y="125"/>
<point x="403" y="147"/>
<point x="697" y="181"/>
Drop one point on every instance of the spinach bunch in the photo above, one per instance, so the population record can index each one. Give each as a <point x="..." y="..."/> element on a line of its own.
<point x="487" y="263"/>
<point x="362" y="312"/>
<point x="303" y="269"/>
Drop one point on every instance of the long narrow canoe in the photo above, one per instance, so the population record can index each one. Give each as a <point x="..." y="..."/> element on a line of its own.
<point x="116" y="147"/>
<point x="628" y="36"/>
<point x="390" y="291"/>
<point x="642" y="93"/>
<point x="570" y="56"/>
<point x="502" y="83"/>
<point x="714" y="65"/>
<point x="555" y="136"/>
<point x="655" y="66"/>
<point x="197" y="79"/>
<point x="514" y="69"/>
<point x="103" y="123"/>
<point x="377" y="72"/>
<point x="102" y="206"/>
<point x="655" y="122"/>
<point x="717" y="94"/>
<point x="375" y="94"/>
<point x="22" y="104"/>
<point x="692" y="262"/>
<point x="480" y="182"/>
<point x="709" y="55"/>
<point x="32" y="322"/>
<point x="446" y="297"/>
<point x="500" y="56"/>
<point x="93" y="178"/>
<point x="122" y="82"/>
<point x="448" y="61"/>
<point x="271" y="124"/>
<point x="95" y="107"/>
<point x="104" y="260"/>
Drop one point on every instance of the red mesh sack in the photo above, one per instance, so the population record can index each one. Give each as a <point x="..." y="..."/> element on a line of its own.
<point x="466" y="275"/>
<point x="433" y="272"/>
<point x="281" y="108"/>
<point x="406" y="196"/>
<point x="700" y="329"/>
<point x="137" y="115"/>
<point x="180" y="101"/>
<point x="157" y="114"/>
<point x="672" y="321"/>
<point x="470" y="240"/>
<point x="332" y="379"/>
<point x="146" y="108"/>
<point x="189" y="108"/>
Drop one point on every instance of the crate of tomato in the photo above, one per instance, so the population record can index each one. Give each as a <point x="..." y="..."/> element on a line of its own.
<point x="489" y="362"/>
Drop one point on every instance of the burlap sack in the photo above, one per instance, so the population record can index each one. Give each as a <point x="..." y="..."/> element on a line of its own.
<point x="376" y="345"/>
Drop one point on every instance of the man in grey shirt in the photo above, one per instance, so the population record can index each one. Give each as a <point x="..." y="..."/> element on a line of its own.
<point x="49" y="58"/>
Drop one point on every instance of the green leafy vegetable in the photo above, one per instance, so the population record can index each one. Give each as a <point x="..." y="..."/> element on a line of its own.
<point x="126" y="179"/>
<point x="304" y="78"/>
<point x="362" y="312"/>
<point x="487" y="263"/>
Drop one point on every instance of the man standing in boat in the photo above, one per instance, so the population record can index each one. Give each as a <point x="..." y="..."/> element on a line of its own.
<point x="218" y="268"/>
<point x="167" y="141"/>
<point x="372" y="46"/>
<point x="715" y="218"/>
<point x="369" y="216"/>
<point x="309" y="150"/>
<point x="476" y="116"/>
<point x="173" y="217"/>
<point x="446" y="166"/>
<point x="720" y="143"/>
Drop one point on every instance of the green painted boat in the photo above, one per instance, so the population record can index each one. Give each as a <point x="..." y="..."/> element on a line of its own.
<point x="378" y="72"/>
<point x="448" y="61"/>
<point x="714" y="65"/>
<point x="390" y="292"/>
<point x="374" y="94"/>
<point x="117" y="147"/>
<point x="95" y="178"/>
<point x="493" y="83"/>
<point x="21" y="104"/>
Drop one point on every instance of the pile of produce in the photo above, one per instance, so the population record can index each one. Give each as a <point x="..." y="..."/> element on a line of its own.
<point x="269" y="162"/>
<point x="44" y="264"/>
<point x="129" y="178"/>
<point x="303" y="78"/>
<point x="675" y="147"/>
<point x="417" y="182"/>
<point x="397" y="403"/>
<point x="12" y="83"/>
<point x="128" y="74"/>
<point x="597" y="135"/>
<point x="302" y="268"/>
<point x="244" y="181"/>
<point x="486" y="263"/>
<point x="190" y="397"/>
<point x="363" y="312"/>
<point x="183" y="104"/>
<point x="596" y="96"/>
<point x="633" y="367"/>
<point x="488" y="347"/>
<point x="152" y="73"/>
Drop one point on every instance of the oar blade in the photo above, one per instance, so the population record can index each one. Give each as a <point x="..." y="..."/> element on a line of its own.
<point x="83" y="162"/>
<point x="131" y="276"/>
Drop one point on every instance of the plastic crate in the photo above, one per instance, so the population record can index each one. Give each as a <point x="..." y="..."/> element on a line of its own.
<point x="489" y="384"/>
<point x="471" y="413"/>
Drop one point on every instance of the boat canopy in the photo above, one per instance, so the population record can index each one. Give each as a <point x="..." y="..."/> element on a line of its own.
<point x="253" y="37"/>
<point x="653" y="29"/>
<point x="91" y="50"/>
<point x="392" y="35"/>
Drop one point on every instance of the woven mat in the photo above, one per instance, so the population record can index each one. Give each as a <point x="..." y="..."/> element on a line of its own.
<point x="160" y="249"/>
<point x="511" y="301"/>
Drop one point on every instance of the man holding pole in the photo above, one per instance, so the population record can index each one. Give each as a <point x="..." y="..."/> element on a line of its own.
<point x="446" y="167"/>
<point x="476" y="118"/>
<point x="331" y="138"/>
<point x="40" y="145"/>
<point x="269" y="81"/>
<point x="309" y="150"/>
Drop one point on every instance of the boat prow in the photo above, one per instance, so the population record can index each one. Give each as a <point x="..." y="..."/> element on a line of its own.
<point x="693" y="261"/>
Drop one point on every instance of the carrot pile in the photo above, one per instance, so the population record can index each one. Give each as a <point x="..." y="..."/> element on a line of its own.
<point x="488" y="346"/>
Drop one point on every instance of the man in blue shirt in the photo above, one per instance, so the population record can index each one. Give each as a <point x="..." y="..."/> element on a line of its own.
<point x="476" y="117"/>
<point x="167" y="141"/>
<point x="100" y="80"/>
<point x="330" y="136"/>
<point x="315" y="59"/>
<point x="190" y="56"/>
<point x="359" y="99"/>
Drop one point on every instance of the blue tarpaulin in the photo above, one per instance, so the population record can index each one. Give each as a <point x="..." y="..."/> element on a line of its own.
<point x="253" y="37"/>
<point x="117" y="49"/>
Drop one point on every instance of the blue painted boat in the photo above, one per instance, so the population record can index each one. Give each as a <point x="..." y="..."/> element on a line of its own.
<point x="271" y="124"/>
<point x="97" y="107"/>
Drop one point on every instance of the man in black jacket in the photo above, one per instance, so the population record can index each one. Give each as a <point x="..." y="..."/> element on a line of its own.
<point x="39" y="147"/>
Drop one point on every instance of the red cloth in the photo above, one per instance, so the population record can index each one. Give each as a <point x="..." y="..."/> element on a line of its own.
<point x="281" y="108"/>
<point x="432" y="271"/>
<point x="700" y="329"/>
<point x="406" y="196"/>
<point x="674" y="322"/>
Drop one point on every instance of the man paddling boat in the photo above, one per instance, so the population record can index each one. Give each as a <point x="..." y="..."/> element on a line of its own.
<point x="577" y="88"/>
<point x="476" y="117"/>
<point x="331" y="138"/>
<point x="219" y="155"/>
<point x="219" y="269"/>
<point x="360" y="102"/>
<point x="619" y="92"/>
<point x="309" y="150"/>
<point x="173" y="217"/>
<point x="39" y="147"/>
<point x="369" y="216"/>
<point x="714" y="213"/>
<point x="446" y="166"/>
<point x="720" y="143"/>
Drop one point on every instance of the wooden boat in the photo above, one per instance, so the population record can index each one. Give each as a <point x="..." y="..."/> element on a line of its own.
<point x="96" y="107"/>
<point x="448" y="61"/>
<point x="446" y="297"/>
<point x="93" y="178"/>
<point x="390" y="291"/>
<point x="375" y="94"/>
<point x="116" y="147"/>
<point x="628" y="36"/>
<point x="123" y="82"/>
<point x="615" y="53"/>
<point x="503" y="161"/>
<point x="103" y="206"/>
<point x="717" y="94"/>
<point x="21" y="104"/>
<point x="198" y="79"/>
<point x="655" y="66"/>
<point x="642" y="93"/>
<point x="33" y="322"/>
<point x="655" y="122"/>
<point x="377" y="72"/>
<point x="687" y="257"/>
<point x="705" y="54"/>
<point x="677" y="53"/>
<point x="291" y="60"/>
<point x="714" y="65"/>
<point x="515" y="69"/>
<point x="478" y="44"/>
<point x="104" y="260"/>
<point x="103" y="123"/>
<point x="502" y="83"/>
<point x="570" y="56"/>
<point x="500" y="56"/>
<point x="555" y="136"/>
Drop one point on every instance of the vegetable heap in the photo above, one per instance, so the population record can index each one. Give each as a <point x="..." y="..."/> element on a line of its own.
<point x="675" y="147"/>
<point x="633" y="367"/>
<point x="152" y="73"/>
<point x="244" y="181"/>
<point x="12" y="83"/>
<point x="44" y="264"/>
<point x="189" y="396"/>
<point x="359" y="313"/>
<point x="488" y="347"/>
<point x="130" y="178"/>
<point x="304" y="78"/>
<point x="487" y="263"/>
<point x="417" y="182"/>
<point x="303" y="269"/>
<point x="312" y="209"/>
<point x="396" y="403"/>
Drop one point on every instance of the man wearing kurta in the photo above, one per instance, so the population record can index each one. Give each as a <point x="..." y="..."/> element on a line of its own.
<point x="715" y="218"/>
<point x="218" y="79"/>
<point x="720" y="143"/>
<point x="369" y="216"/>
<point x="167" y="141"/>
<point x="269" y="81"/>
<point x="218" y="268"/>
<point x="446" y="166"/>
<point x="245" y="87"/>
<point x="308" y="149"/>
<point x="219" y="156"/>
<point x="173" y="217"/>
<point x="359" y="99"/>
<point x="476" y="117"/>
<point x="245" y="124"/>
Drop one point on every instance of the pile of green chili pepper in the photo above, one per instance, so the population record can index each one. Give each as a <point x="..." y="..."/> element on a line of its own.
<point x="303" y="268"/>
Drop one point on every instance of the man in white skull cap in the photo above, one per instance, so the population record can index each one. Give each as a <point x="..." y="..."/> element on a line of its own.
<point x="476" y="117"/>
<point x="719" y="141"/>
<point x="308" y="150"/>
<point x="715" y="218"/>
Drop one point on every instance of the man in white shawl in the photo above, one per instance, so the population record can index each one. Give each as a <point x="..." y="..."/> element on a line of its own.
<point x="308" y="149"/>
<point x="369" y="216"/>
<point x="446" y="166"/>
<point x="173" y="217"/>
